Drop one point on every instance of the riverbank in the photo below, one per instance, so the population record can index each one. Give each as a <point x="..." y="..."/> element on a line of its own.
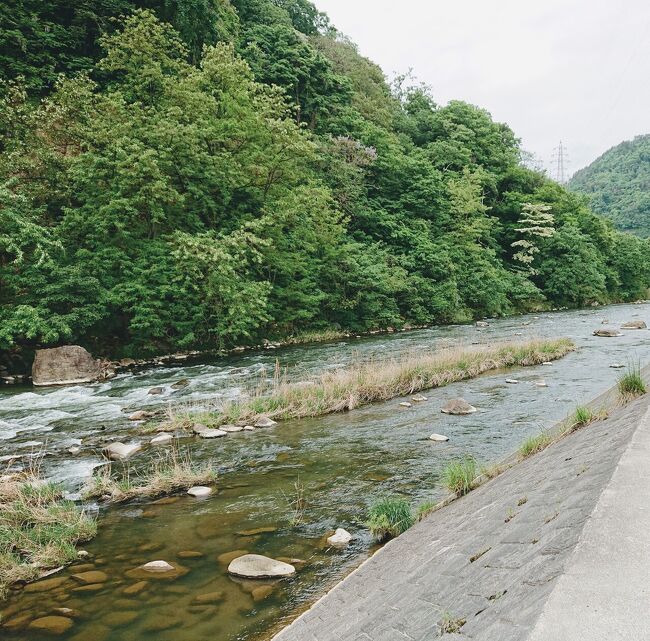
<point x="485" y="566"/>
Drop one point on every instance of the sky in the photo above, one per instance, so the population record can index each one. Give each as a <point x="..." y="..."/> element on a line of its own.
<point x="576" y="71"/>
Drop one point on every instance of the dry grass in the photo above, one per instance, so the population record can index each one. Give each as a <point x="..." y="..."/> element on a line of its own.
<point x="38" y="528"/>
<point x="372" y="381"/>
<point x="170" y="472"/>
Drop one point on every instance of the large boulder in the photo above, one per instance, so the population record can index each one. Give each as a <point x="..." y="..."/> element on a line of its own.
<point x="255" y="566"/>
<point x="121" y="451"/>
<point x="458" y="406"/>
<point x="635" y="324"/>
<point x="66" y="365"/>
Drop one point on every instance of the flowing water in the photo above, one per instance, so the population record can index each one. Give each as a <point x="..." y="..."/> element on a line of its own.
<point x="340" y="463"/>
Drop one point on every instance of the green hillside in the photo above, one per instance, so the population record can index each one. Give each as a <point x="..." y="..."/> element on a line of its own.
<point x="203" y="173"/>
<point x="618" y="185"/>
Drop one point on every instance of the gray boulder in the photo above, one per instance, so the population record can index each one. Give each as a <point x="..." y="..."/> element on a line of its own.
<point x="121" y="451"/>
<point x="458" y="406"/>
<point x="255" y="566"/>
<point x="607" y="332"/>
<point x="635" y="324"/>
<point x="67" y="365"/>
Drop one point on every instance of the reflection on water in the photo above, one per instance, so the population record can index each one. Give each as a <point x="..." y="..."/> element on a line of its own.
<point x="344" y="462"/>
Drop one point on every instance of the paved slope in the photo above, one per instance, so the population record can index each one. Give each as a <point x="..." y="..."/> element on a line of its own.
<point x="527" y="523"/>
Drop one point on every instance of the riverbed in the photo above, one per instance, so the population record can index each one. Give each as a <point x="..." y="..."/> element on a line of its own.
<point x="339" y="463"/>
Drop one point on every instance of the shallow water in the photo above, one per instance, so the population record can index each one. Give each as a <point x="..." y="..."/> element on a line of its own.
<point x="344" y="462"/>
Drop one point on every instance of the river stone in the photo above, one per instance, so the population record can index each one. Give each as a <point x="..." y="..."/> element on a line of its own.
<point x="44" y="586"/>
<point x="617" y="366"/>
<point x="340" y="538"/>
<point x="162" y="439"/>
<point x="75" y="449"/>
<point x="119" y="618"/>
<point x="249" y="428"/>
<point x="607" y="333"/>
<point x="439" y="438"/>
<point x="66" y="365"/>
<point x="140" y="415"/>
<point x="262" y="592"/>
<point x="120" y="451"/>
<point x="482" y="324"/>
<point x="162" y="622"/>
<point x="66" y="612"/>
<point x="190" y="554"/>
<point x="265" y="421"/>
<point x="405" y="404"/>
<point x="266" y="529"/>
<point x="231" y="428"/>
<point x="635" y="324"/>
<point x="135" y="588"/>
<point x="181" y="384"/>
<point x="155" y="391"/>
<point x="419" y="398"/>
<point x="199" y="491"/>
<point x="227" y="557"/>
<point x="541" y="383"/>
<point x="210" y="434"/>
<point x="512" y="381"/>
<point x="158" y="566"/>
<point x="208" y="598"/>
<point x="91" y="587"/>
<point x="458" y="406"/>
<point x="52" y="624"/>
<point x="256" y="566"/>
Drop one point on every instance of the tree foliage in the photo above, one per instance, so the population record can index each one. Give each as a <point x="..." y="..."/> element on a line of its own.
<point x="201" y="173"/>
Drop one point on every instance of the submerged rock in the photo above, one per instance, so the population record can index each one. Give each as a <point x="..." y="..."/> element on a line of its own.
<point x="155" y="391"/>
<point x="255" y="566"/>
<point x="120" y="451"/>
<point x="47" y="584"/>
<point x="181" y="384"/>
<point x="340" y="538"/>
<point x="635" y="324"/>
<point x="200" y="491"/>
<point x="162" y="439"/>
<point x="607" y="332"/>
<point x="439" y="438"/>
<point x="265" y="421"/>
<point x="92" y="576"/>
<point x="52" y="624"/>
<point x="210" y="434"/>
<point x="458" y="406"/>
<point x="210" y="597"/>
<point x="262" y="592"/>
<point x="66" y="365"/>
<point x="227" y="557"/>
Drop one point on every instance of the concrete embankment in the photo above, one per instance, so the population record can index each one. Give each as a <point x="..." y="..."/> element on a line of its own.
<point x="555" y="549"/>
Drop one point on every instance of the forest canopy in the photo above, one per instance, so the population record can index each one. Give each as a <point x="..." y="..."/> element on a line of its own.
<point x="202" y="173"/>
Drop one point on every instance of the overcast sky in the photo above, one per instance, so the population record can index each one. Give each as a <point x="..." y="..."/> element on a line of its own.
<point x="570" y="70"/>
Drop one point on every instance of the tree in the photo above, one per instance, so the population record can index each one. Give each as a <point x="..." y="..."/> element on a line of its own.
<point x="536" y="222"/>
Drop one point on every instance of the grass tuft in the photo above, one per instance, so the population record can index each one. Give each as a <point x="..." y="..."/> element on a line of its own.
<point x="535" y="444"/>
<point x="389" y="518"/>
<point x="450" y="624"/>
<point x="170" y="472"/>
<point x="459" y="476"/>
<point x="368" y="382"/>
<point x="631" y="384"/>
<point x="38" y="529"/>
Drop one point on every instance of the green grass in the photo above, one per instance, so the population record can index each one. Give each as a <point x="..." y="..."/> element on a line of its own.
<point x="38" y="529"/>
<point x="535" y="444"/>
<point x="424" y="509"/>
<point x="631" y="384"/>
<point x="171" y="472"/>
<point x="450" y="624"/>
<point x="389" y="518"/>
<point x="368" y="382"/>
<point x="459" y="476"/>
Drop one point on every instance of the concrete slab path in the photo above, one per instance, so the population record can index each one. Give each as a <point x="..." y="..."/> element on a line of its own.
<point x="554" y="549"/>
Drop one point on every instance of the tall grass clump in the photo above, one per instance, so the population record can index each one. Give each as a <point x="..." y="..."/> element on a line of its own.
<point x="170" y="472"/>
<point x="631" y="384"/>
<point x="582" y="417"/>
<point x="459" y="476"/>
<point x="389" y="518"/>
<point x="38" y="529"/>
<point x="375" y="380"/>
<point x="535" y="444"/>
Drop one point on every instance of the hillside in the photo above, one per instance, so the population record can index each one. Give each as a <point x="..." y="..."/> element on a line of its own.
<point x="618" y="185"/>
<point x="205" y="173"/>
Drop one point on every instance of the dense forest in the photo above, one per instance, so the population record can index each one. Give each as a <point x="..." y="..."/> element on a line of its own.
<point x="618" y="185"/>
<point x="183" y="174"/>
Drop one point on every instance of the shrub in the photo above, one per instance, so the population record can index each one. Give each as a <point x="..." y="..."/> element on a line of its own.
<point x="631" y="384"/>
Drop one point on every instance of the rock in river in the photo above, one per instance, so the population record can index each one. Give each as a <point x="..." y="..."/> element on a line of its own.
<point x="92" y="576"/>
<point x="158" y="566"/>
<point x="255" y="566"/>
<point x="200" y="491"/>
<point x="458" y="406"/>
<point x="162" y="439"/>
<point x="635" y="324"/>
<point x="66" y="365"/>
<point x="121" y="451"/>
<point x="155" y="391"/>
<point x="265" y="421"/>
<point x="439" y="438"/>
<point x="140" y="415"/>
<point x="340" y="538"/>
<point x="52" y="624"/>
<point x="607" y="332"/>
<point x="209" y="434"/>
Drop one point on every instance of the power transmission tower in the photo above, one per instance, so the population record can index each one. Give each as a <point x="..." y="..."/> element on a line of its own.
<point x="560" y="164"/>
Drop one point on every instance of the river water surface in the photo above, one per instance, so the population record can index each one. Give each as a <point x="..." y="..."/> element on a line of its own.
<point x="341" y="463"/>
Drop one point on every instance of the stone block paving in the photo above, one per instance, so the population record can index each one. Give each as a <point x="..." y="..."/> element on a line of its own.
<point x="410" y="586"/>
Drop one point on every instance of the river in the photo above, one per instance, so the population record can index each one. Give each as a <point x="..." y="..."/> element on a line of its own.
<point x="342" y="463"/>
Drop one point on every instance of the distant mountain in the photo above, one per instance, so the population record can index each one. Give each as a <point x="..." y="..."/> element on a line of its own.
<point x="618" y="185"/>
